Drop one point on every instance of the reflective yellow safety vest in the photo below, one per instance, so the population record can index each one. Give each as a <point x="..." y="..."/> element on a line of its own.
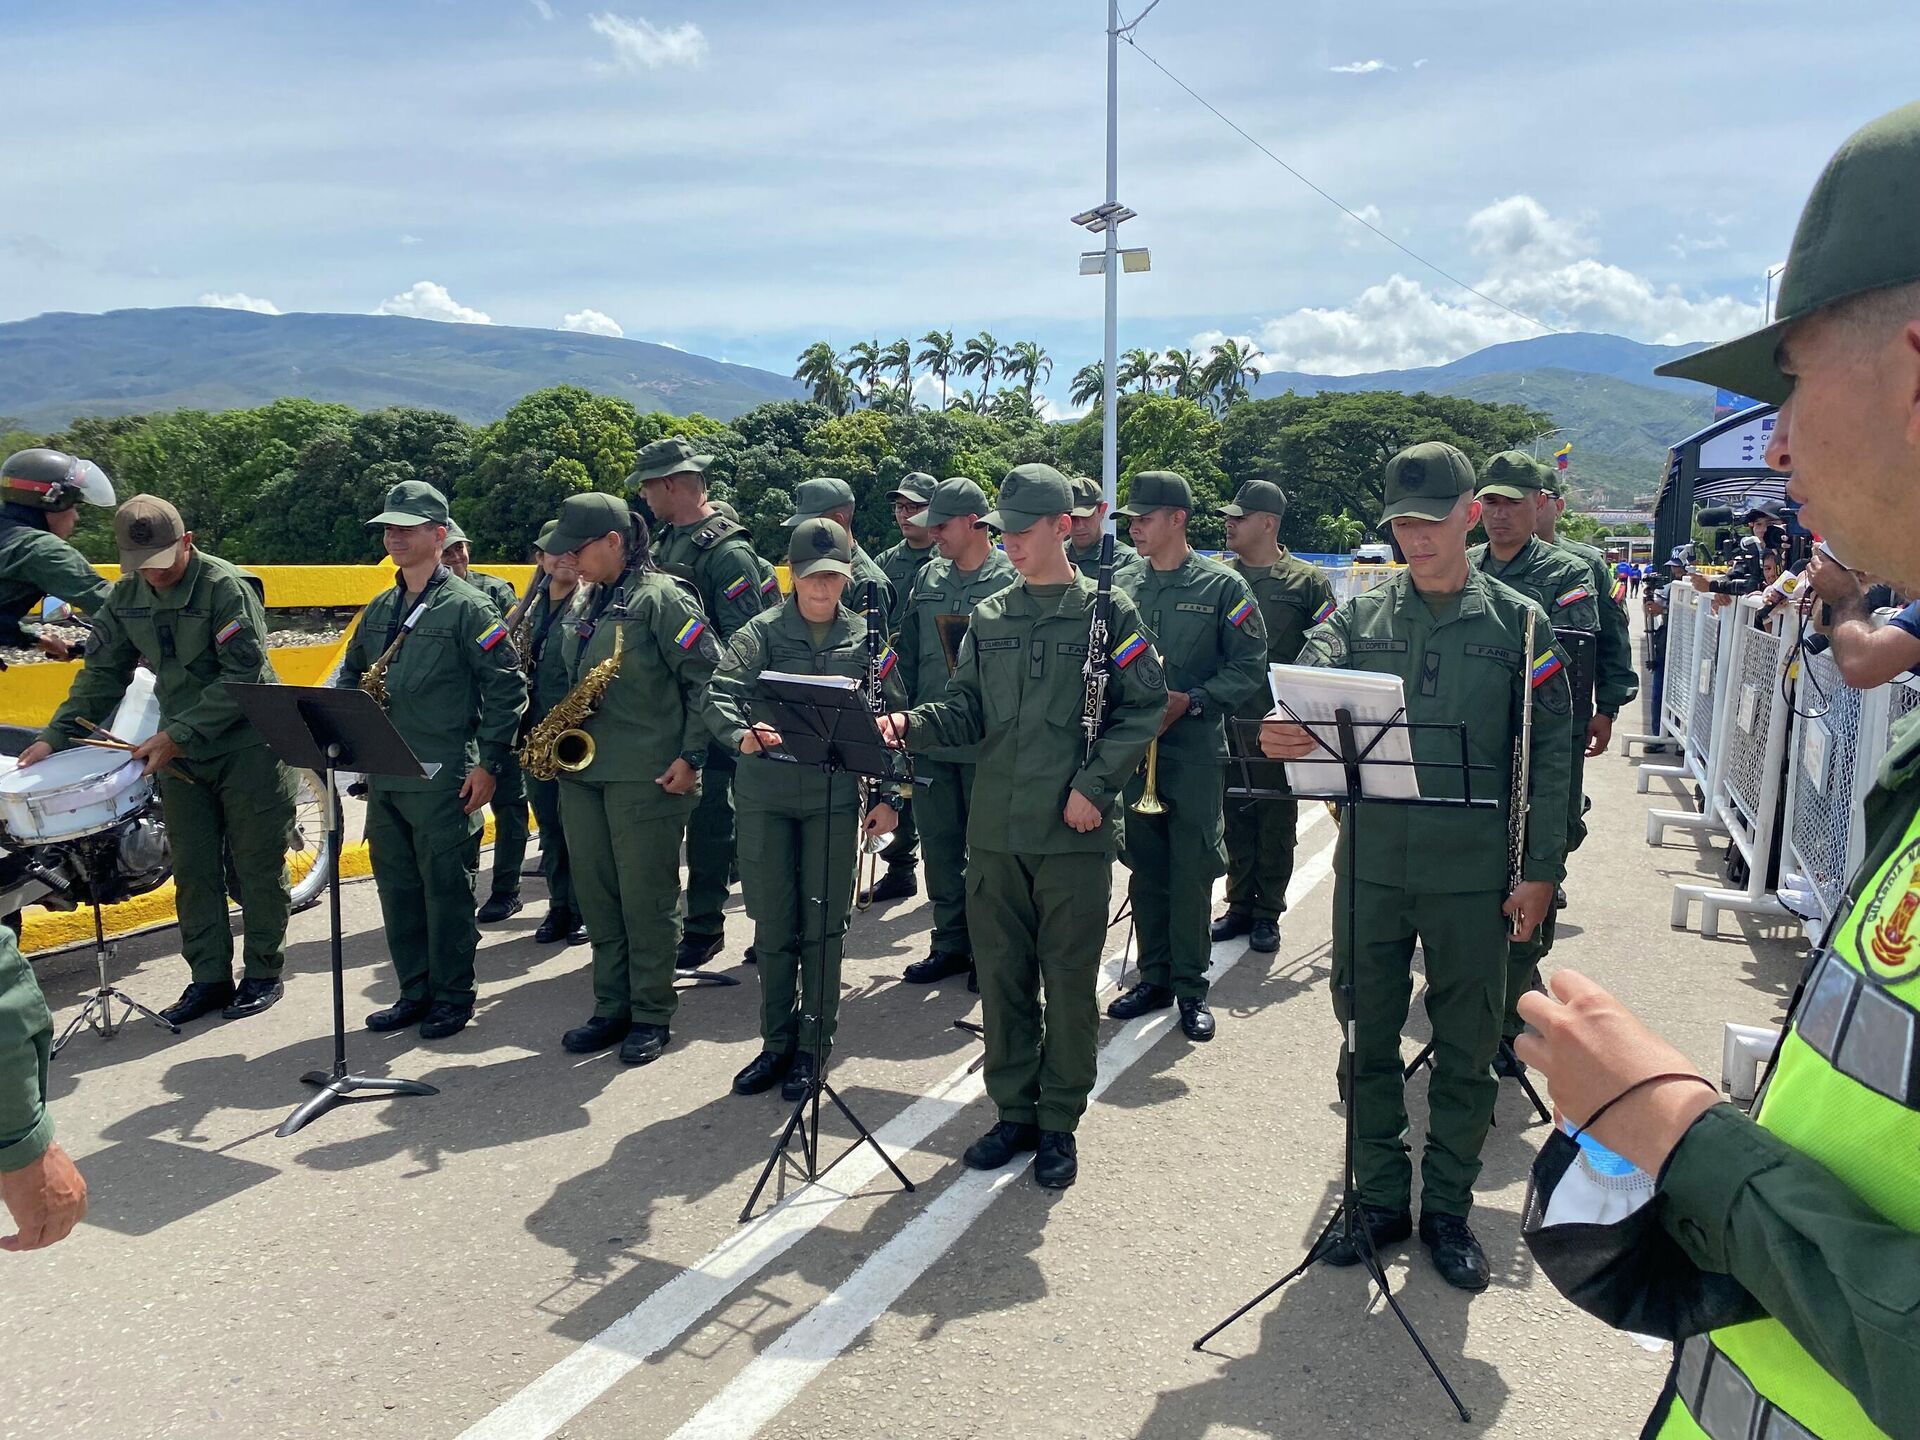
<point x="1847" y="1094"/>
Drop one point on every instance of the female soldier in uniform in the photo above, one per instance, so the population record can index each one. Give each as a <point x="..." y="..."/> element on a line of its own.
<point x="783" y="807"/>
<point x="625" y="808"/>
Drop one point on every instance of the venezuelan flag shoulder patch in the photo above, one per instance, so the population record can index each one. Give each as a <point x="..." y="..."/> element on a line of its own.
<point x="1320" y="615"/>
<point x="227" y="632"/>
<point x="492" y="635"/>
<point x="1619" y="591"/>
<point x="1130" y="650"/>
<point x="1573" y="597"/>
<point x="690" y="634"/>
<point x="888" y="659"/>
<point x="1545" y="668"/>
<point x="1238" y="615"/>
<point x="739" y="587"/>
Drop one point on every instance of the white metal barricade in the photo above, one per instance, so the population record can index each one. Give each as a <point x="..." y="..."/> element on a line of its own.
<point x="1713" y="658"/>
<point x="1745" y="770"/>
<point x="1688" y="614"/>
<point x="1831" y="760"/>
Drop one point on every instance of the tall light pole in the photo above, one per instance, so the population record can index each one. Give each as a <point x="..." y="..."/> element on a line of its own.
<point x="1106" y="219"/>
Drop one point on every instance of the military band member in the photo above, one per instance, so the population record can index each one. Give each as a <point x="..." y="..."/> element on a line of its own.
<point x="40" y="494"/>
<point x="1511" y="499"/>
<point x="193" y="619"/>
<point x="39" y="1184"/>
<point x="828" y="498"/>
<point x="944" y="596"/>
<point x="797" y="822"/>
<point x="1042" y="824"/>
<point x="1213" y="642"/>
<point x="545" y="663"/>
<point x="1438" y="877"/>
<point x="625" y="808"/>
<point x="436" y="648"/>
<point x="1293" y="596"/>
<point x="1616" y="679"/>
<point x="714" y="554"/>
<point x="509" y="803"/>
<point x="1089" y="524"/>
<point x="902" y="563"/>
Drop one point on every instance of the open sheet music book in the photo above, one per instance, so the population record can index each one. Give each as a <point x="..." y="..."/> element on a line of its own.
<point x="1310" y="694"/>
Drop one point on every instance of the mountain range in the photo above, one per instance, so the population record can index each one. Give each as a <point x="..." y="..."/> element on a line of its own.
<point x="1600" y="388"/>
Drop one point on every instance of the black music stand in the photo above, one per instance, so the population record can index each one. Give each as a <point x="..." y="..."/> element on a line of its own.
<point x="830" y="728"/>
<point x="1341" y="739"/>
<point x="330" y="730"/>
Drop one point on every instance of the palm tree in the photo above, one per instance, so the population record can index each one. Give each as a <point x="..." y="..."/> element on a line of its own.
<point x="898" y="357"/>
<point x="964" y="403"/>
<point x="1136" y="368"/>
<point x="863" y="363"/>
<point x="982" y="353"/>
<point x="1181" y="369"/>
<point x="1028" y="363"/>
<point x="819" y="370"/>
<point x="1088" y="383"/>
<point x="1009" y="404"/>
<point x="938" y="354"/>
<point x="889" y="399"/>
<point x="1229" y="369"/>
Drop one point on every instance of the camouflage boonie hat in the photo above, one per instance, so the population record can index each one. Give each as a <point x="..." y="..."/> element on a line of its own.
<point x="671" y="456"/>
<point x="1426" y="481"/>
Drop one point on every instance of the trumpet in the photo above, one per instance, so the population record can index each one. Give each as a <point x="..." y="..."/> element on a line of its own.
<point x="1150" y="802"/>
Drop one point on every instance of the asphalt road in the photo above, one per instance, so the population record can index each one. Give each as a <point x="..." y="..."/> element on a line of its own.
<point x="552" y="1246"/>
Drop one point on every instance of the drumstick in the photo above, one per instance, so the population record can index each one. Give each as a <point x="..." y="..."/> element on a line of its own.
<point x="110" y="741"/>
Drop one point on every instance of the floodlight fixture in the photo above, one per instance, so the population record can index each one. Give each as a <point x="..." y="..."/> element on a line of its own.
<point x="1132" y="262"/>
<point x="1101" y="217"/>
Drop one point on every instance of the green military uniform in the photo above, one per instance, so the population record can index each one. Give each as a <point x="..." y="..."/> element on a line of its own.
<point x="207" y="629"/>
<point x="1562" y="586"/>
<point x="901" y="564"/>
<point x="26" y="1044"/>
<point x="1439" y="876"/>
<point x="509" y="803"/>
<point x="1213" y="641"/>
<point x="714" y="555"/>
<point x="34" y="562"/>
<point x="1616" y="678"/>
<point x="1293" y="596"/>
<point x="547" y="685"/>
<point x="828" y="496"/>
<point x="1037" y="888"/>
<point x="623" y="830"/>
<point x="1087" y="496"/>
<point x="788" y="810"/>
<point x="455" y="692"/>
<point x="935" y="619"/>
<point x="1814" y="1207"/>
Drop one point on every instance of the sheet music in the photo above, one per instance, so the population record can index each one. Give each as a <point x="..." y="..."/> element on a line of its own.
<point x="821" y="682"/>
<point x="1311" y="694"/>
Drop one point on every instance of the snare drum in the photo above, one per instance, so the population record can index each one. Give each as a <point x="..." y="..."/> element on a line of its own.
<point x="75" y="792"/>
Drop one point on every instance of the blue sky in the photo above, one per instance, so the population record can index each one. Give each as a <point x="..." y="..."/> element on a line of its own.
<point x="738" y="177"/>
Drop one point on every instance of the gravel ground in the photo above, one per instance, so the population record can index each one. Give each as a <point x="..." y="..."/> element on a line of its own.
<point x="294" y="631"/>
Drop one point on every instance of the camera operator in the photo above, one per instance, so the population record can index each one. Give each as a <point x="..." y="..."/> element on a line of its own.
<point x="1746" y="575"/>
<point x="1868" y="655"/>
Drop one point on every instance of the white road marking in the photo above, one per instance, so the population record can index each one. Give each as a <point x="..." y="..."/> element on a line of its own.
<point x="779" y="1373"/>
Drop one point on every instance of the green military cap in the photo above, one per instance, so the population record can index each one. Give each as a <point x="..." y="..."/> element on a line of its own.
<point x="1256" y="497"/>
<point x="671" y="456"/>
<point x="1157" y="490"/>
<point x="952" y="499"/>
<point x="1426" y="481"/>
<point x="414" y="502"/>
<point x="1859" y="232"/>
<point x="819" y="546"/>
<point x="917" y="487"/>
<point x="1028" y="495"/>
<point x="545" y="542"/>
<point x="1513" y="474"/>
<point x="584" y="519"/>
<point x="721" y="507"/>
<point x="455" y="535"/>
<point x="815" y="498"/>
<point x="1087" y="496"/>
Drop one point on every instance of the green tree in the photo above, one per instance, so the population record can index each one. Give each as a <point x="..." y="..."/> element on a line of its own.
<point x="981" y="356"/>
<point x="1088" y="381"/>
<point x="898" y="358"/>
<point x="551" y="444"/>
<point x="939" y="355"/>
<point x="1026" y="363"/>
<point x="1163" y="432"/>
<point x="1137" y="367"/>
<point x="819" y="370"/>
<point x="1228" y="371"/>
<point x="863" y="363"/>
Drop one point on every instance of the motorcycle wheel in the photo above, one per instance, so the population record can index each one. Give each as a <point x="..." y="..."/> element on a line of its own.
<point x="309" y="849"/>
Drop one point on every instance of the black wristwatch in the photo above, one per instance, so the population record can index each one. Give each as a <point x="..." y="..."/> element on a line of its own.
<point x="1196" y="703"/>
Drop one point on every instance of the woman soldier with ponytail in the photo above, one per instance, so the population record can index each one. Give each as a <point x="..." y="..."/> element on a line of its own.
<point x="638" y="653"/>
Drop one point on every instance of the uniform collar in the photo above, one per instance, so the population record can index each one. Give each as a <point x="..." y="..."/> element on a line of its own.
<point x="798" y="626"/>
<point x="179" y="595"/>
<point x="1473" y="596"/>
<point x="1528" y="554"/>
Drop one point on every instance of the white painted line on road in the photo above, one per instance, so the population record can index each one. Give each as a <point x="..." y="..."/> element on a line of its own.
<point x="551" y="1400"/>
<point x="773" y="1379"/>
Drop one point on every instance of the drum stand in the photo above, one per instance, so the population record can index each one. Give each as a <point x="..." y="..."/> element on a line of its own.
<point x="97" y="1013"/>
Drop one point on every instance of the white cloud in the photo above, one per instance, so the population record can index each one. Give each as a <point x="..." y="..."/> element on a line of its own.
<point x="240" y="301"/>
<point x="1360" y="67"/>
<point x="640" y="45"/>
<point x="411" y="240"/>
<point x="543" y="8"/>
<point x="1420" y="62"/>
<point x="1685" y="245"/>
<point x="1355" y="237"/>
<point x="426" y="300"/>
<point x="592" y="322"/>
<point x="1536" y="262"/>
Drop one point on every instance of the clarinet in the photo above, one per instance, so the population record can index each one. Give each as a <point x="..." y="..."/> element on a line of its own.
<point x="877" y="703"/>
<point x="1522" y="767"/>
<point x="1098" y="669"/>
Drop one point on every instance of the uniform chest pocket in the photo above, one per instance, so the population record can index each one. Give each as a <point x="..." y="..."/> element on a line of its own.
<point x="427" y="658"/>
<point x="1002" y="660"/>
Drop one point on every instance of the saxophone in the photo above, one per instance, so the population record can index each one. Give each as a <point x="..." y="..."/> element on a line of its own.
<point x="374" y="682"/>
<point x="557" y="744"/>
<point x="520" y="620"/>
